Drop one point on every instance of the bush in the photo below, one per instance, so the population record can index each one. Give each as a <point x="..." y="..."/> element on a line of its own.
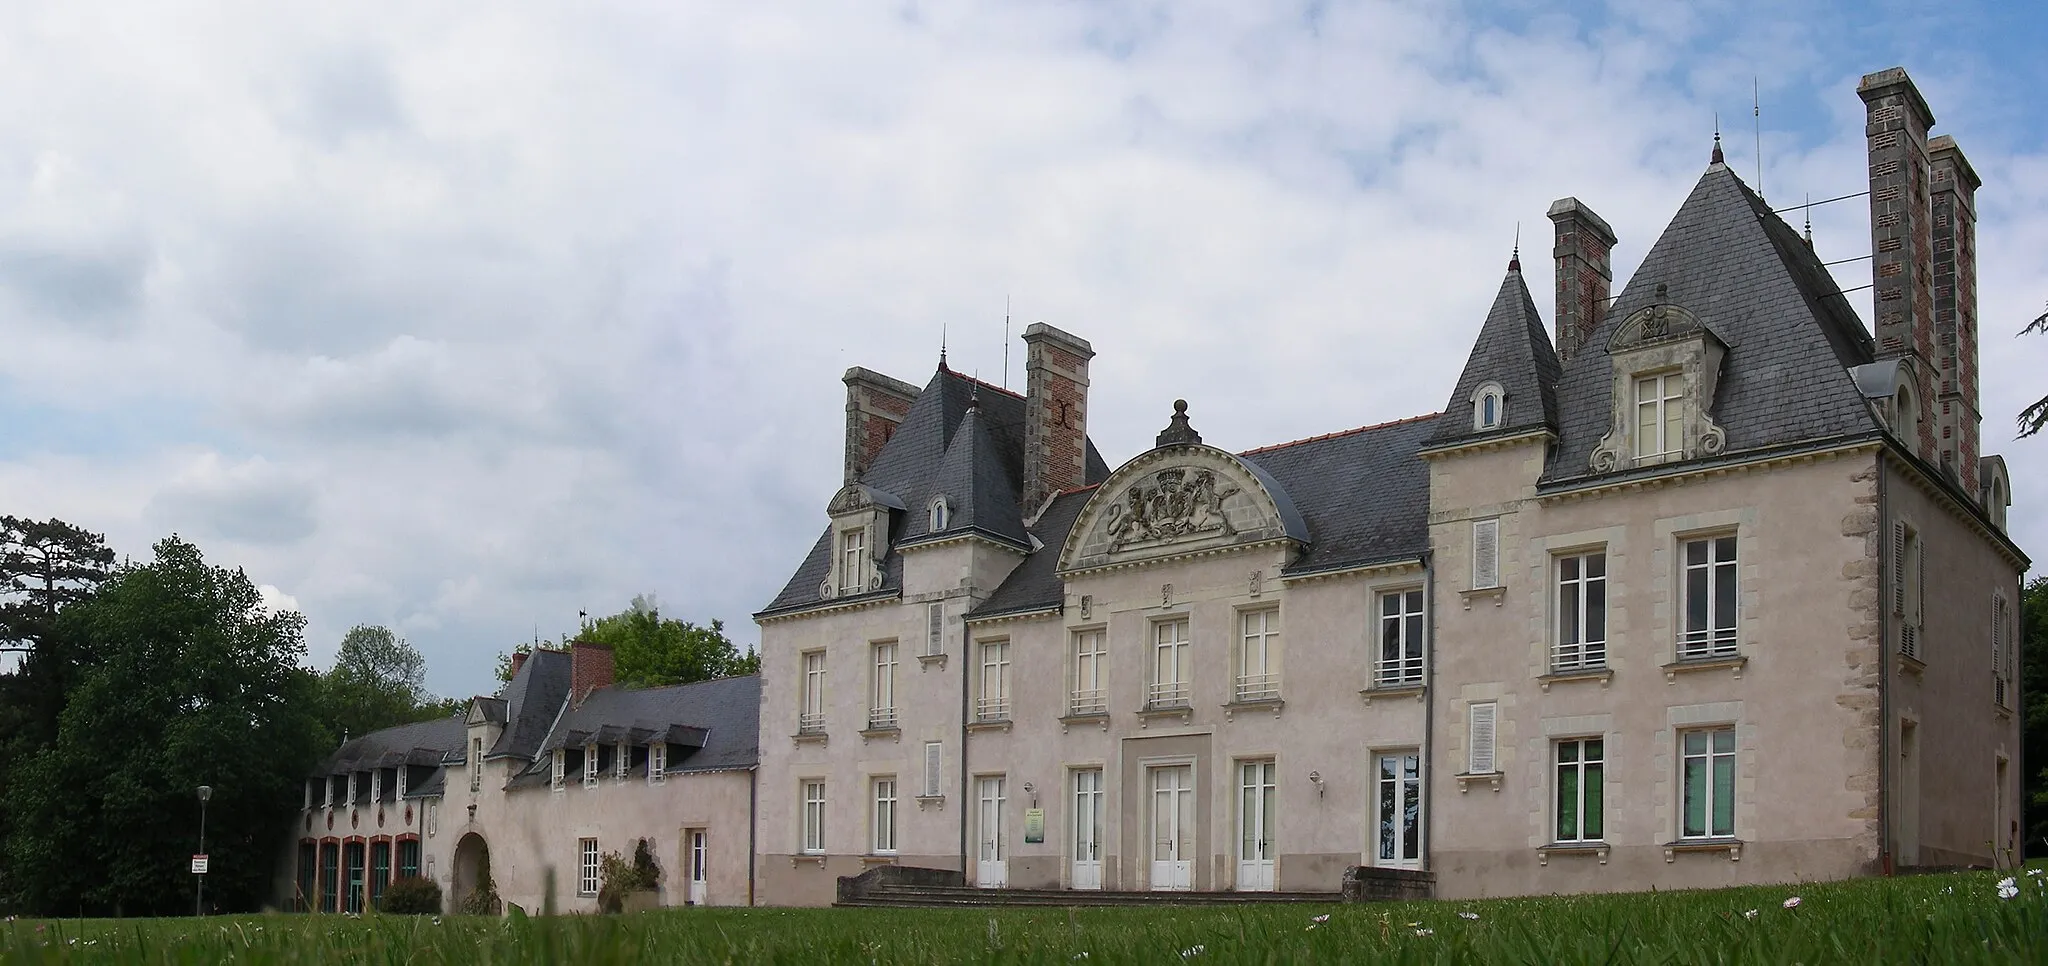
<point x="622" y="878"/>
<point x="413" y="896"/>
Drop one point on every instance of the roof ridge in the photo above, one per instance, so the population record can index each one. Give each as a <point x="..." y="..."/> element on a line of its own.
<point x="985" y="385"/>
<point x="1339" y="433"/>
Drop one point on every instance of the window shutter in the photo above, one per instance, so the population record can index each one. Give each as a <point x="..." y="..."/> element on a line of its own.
<point x="934" y="762"/>
<point x="1919" y="581"/>
<point x="1909" y="641"/>
<point x="1482" y="739"/>
<point x="935" y="627"/>
<point x="1485" y="554"/>
<point x="1899" y="569"/>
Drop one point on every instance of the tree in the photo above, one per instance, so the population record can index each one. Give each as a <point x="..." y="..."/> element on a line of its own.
<point x="648" y="651"/>
<point x="504" y="671"/>
<point x="2034" y="717"/>
<point x="378" y="680"/>
<point x="195" y="683"/>
<point x="2034" y="417"/>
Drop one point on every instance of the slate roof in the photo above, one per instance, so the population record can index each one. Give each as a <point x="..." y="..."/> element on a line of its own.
<point x="419" y="743"/>
<point x="1363" y="493"/>
<point x="533" y="700"/>
<point x="1755" y="284"/>
<point x="1035" y="584"/>
<point x="927" y="455"/>
<point x="718" y="722"/>
<point x="1513" y="349"/>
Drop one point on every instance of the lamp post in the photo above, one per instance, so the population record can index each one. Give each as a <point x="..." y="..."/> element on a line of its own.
<point x="199" y="887"/>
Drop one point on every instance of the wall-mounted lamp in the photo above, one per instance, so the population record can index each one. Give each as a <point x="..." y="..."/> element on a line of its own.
<point x="1031" y="790"/>
<point x="1316" y="778"/>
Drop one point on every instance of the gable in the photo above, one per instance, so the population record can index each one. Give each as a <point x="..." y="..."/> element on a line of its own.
<point x="1177" y="500"/>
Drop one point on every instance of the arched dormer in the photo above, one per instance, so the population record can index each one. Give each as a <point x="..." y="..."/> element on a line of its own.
<point x="860" y="538"/>
<point x="1666" y="369"/>
<point x="1489" y="406"/>
<point x="1997" y="488"/>
<point x="937" y="515"/>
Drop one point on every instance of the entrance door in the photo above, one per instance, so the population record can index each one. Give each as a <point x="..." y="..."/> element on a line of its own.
<point x="1087" y="873"/>
<point x="1399" y="833"/>
<point x="991" y="870"/>
<point x="1256" y="795"/>
<point x="1173" y="827"/>
<point x="698" y="873"/>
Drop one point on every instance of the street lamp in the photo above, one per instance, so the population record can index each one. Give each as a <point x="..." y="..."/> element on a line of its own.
<point x="199" y="893"/>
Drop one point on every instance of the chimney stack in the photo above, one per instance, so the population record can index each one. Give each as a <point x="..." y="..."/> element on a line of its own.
<point x="1955" y="306"/>
<point x="519" y="661"/>
<point x="590" y="668"/>
<point x="1584" y="272"/>
<point x="875" y="406"/>
<point x="1055" y="412"/>
<point x="1901" y="237"/>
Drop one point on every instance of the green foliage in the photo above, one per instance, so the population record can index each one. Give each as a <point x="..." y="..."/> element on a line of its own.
<point x="378" y="680"/>
<point x="621" y="878"/>
<point x="45" y="566"/>
<point x="650" y="651"/>
<point x="504" y="671"/>
<point x="2033" y="631"/>
<point x="2033" y="418"/>
<point x="193" y="683"/>
<point x="412" y="896"/>
<point x="483" y="899"/>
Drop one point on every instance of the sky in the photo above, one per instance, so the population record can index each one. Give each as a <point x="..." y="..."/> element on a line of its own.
<point x="463" y="318"/>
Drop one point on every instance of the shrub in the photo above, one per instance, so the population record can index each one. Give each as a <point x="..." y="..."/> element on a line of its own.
<point x="413" y="896"/>
<point x="622" y="878"/>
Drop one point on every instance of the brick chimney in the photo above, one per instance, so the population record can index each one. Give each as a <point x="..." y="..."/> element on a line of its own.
<point x="875" y="406"/>
<point x="1901" y="237"/>
<point x="1955" y="306"/>
<point x="1055" y="412"/>
<point x="519" y="661"/>
<point x="1584" y="273"/>
<point x="590" y="668"/>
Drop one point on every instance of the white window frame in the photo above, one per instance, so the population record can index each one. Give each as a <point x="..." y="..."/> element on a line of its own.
<point x="1409" y="631"/>
<point x="1090" y="691"/>
<point x="590" y="764"/>
<point x="376" y="785"/>
<point x="398" y="777"/>
<point x="308" y="806"/>
<point x="558" y="777"/>
<point x="992" y="682"/>
<point x="1577" y="590"/>
<point x="476" y="765"/>
<point x="811" y="716"/>
<point x="812" y="831"/>
<point x="1168" y="685"/>
<point x="1258" y="654"/>
<point x="1667" y="403"/>
<point x="622" y="761"/>
<point x="1486" y="554"/>
<point x="1713" y="757"/>
<point x="657" y="762"/>
<point x="1585" y="755"/>
<point x="882" y="828"/>
<point x="882" y="689"/>
<point x="1493" y="393"/>
<point x="1714" y="640"/>
<point x="587" y="866"/>
<point x="939" y="515"/>
<point x="853" y="544"/>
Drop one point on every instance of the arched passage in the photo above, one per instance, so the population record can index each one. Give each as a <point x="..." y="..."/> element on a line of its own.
<point x="473" y="875"/>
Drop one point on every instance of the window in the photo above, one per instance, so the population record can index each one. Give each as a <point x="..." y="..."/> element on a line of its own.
<point x="938" y="514"/>
<point x="327" y="792"/>
<point x="380" y="872"/>
<point x="1709" y="776"/>
<point x="1480" y="758"/>
<point x="814" y="819"/>
<point x="1710" y="596"/>
<point x="935" y="626"/>
<point x="433" y="817"/>
<point x="399" y="795"/>
<point x="622" y="761"/>
<point x="1909" y="591"/>
<point x="408" y="858"/>
<point x="657" y="762"/>
<point x="2002" y="648"/>
<point x="1580" y="762"/>
<point x="934" y="769"/>
<point x="1258" y="677"/>
<point x="1400" y="657"/>
<point x="1487" y="408"/>
<point x="813" y="715"/>
<point x="330" y="875"/>
<point x="560" y="771"/>
<point x="1581" y="612"/>
<point x="852" y="568"/>
<point x="586" y="867"/>
<point x="1398" y="839"/>
<point x="308" y="795"/>
<point x="352" y="788"/>
<point x="377" y="785"/>
<point x="993" y="701"/>
<point x="476" y="765"/>
<point x="1485" y="554"/>
<point x="590" y="765"/>
<point x="885" y="817"/>
<point x="882" y="703"/>
<point x="352" y="862"/>
<point x="1091" y="667"/>
<point x="1906" y="418"/>
<point x="1660" y="416"/>
<point x="1169" y="687"/>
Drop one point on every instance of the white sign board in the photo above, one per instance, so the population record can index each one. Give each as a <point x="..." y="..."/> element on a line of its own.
<point x="199" y="865"/>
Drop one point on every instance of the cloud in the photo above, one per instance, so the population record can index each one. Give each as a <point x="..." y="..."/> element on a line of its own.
<point x="471" y="318"/>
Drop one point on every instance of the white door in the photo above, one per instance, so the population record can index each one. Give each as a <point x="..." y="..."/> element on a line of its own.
<point x="1087" y="872"/>
<point x="699" y="859"/>
<point x="1398" y="836"/>
<point x="991" y="871"/>
<point x="1173" y="827"/>
<point x="1255" y="806"/>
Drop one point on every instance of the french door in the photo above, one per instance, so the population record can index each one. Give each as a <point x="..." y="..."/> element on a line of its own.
<point x="1173" y="827"/>
<point x="1087" y="858"/>
<point x="1257" y="796"/>
<point x="991" y="869"/>
<point x="699" y="873"/>
<point x="1398" y="837"/>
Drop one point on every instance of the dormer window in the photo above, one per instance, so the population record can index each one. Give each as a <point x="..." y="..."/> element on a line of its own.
<point x="657" y="762"/>
<point x="1660" y="417"/>
<point x="560" y="770"/>
<point x="1666" y="365"/>
<point x="590" y="765"/>
<point x="853" y="546"/>
<point x="377" y="785"/>
<point x="1905" y="416"/>
<point x="621" y="757"/>
<point x="1489" y="406"/>
<point x="399" y="795"/>
<point x="941" y="514"/>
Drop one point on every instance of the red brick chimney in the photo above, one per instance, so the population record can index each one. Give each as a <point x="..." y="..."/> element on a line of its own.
<point x="1584" y="272"/>
<point x="1955" y="306"/>
<point x="1902" y="239"/>
<point x="875" y="406"/>
<point x="590" y="668"/>
<point x="519" y="661"/>
<point x="1055" y="412"/>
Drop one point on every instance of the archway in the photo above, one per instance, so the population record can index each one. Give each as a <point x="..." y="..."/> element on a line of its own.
<point x="473" y="890"/>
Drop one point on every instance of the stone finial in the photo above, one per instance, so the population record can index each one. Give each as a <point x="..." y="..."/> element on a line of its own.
<point x="1178" y="431"/>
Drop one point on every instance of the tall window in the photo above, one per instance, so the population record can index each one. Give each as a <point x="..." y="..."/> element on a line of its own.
<point x="657" y="762"/>
<point x="1400" y="657"/>
<point x="590" y="765"/>
<point x="1485" y="554"/>
<point x="885" y="817"/>
<point x="1580" y="794"/>
<point x="938" y="515"/>
<point x="408" y="858"/>
<point x="476" y="765"/>
<point x="1581" y="612"/>
<point x="1709" y="776"/>
<point x="558" y="768"/>
<point x="2002" y="648"/>
<point x="586" y="867"/>
<point x="1479" y="749"/>
<point x="1258" y="676"/>
<point x="1169" y="687"/>
<point x="814" y="819"/>
<point x="622" y="761"/>
<point x="1486" y="409"/>
<point x="1710" y="596"/>
<point x="852" y="568"/>
<point x="1660" y="416"/>
<point x="1398" y="838"/>
<point x="935" y="626"/>
<point x="882" y="704"/>
<point x="1091" y="669"/>
<point x="993" y="703"/>
<point x="380" y="872"/>
<point x="813" y="719"/>
<point x="1909" y="586"/>
<point x="934" y="769"/>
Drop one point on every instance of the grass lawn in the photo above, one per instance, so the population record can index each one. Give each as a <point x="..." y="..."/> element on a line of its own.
<point x="1957" y="918"/>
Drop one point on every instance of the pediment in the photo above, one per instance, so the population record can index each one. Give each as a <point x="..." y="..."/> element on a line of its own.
<point x="860" y="496"/>
<point x="1177" y="500"/>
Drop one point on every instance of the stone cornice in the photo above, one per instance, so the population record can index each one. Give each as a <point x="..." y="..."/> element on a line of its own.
<point x="1483" y="444"/>
<point x="1356" y="570"/>
<point x="1693" y="473"/>
<point x="1946" y="493"/>
<point x="1178" y="556"/>
<point x="1049" y="610"/>
<point x="964" y="536"/>
<point x="830" y="606"/>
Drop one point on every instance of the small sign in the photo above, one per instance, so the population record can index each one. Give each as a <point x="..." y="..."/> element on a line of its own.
<point x="1034" y="826"/>
<point x="199" y="865"/>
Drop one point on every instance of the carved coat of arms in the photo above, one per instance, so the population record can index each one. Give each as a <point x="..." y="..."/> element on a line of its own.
<point x="1175" y="504"/>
